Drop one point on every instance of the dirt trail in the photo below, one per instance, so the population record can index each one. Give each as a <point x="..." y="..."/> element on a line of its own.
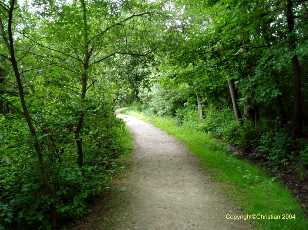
<point x="164" y="189"/>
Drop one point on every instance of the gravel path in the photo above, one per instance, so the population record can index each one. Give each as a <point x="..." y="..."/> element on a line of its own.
<point x="164" y="189"/>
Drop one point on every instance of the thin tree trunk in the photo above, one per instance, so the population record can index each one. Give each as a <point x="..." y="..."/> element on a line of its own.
<point x="297" y="81"/>
<point x="233" y="95"/>
<point x="80" y="124"/>
<point x="84" y="83"/>
<point x="26" y="114"/>
<point x="200" y="107"/>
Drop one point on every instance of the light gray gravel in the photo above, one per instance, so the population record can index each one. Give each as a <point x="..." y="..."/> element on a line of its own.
<point x="164" y="189"/>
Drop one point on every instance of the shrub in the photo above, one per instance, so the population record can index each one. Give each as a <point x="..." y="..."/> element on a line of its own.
<point x="163" y="101"/>
<point x="221" y="123"/>
<point x="188" y="116"/>
<point x="24" y="204"/>
<point x="247" y="135"/>
<point x="276" y="145"/>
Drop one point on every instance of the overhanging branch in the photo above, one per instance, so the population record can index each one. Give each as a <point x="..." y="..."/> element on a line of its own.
<point x="122" y="53"/>
<point x="52" y="49"/>
<point x="119" y="23"/>
<point x="103" y="58"/>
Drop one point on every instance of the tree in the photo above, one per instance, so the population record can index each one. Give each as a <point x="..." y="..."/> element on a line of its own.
<point x="298" y="112"/>
<point x="8" y="38"/>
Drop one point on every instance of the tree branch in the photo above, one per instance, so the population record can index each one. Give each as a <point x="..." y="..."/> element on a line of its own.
<point x="120" y="23"/>
<point x="52" y="49"/>
<point x="51" y="64"/>
<point x="93" y="82"/>
<point x="135" y="54"/>
<point x="103" y="58"/>
<point x="3" y="6"/>
<point x="122" y="53"/>
<point x="25" y="54"/>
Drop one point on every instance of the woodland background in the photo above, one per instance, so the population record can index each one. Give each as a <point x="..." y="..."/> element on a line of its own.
<point x="236" y="69"/>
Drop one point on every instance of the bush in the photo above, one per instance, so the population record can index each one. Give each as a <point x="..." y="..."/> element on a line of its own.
<point x="163" y="101"/>
<point x="24" y="203"/>
<point x="276" y="145"/>
<point x="188" y="117"/>
<point x="221" y="123"/>
<point x="247" y="136"/>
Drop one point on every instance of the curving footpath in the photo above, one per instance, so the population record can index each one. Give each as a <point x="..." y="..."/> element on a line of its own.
<point x="164" y="189"/>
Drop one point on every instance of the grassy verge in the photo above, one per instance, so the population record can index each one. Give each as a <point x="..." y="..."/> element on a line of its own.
<point x="250" y="188"/>
<point x="126" y="144"/>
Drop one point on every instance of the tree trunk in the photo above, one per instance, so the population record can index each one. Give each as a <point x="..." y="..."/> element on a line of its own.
<point x="200" y="107"/>
<point x="26" y="114"/>
<point x="80" y="124"/>
<point x="233" y="95"/>
<point x="84" y="85"/>
<point x="296" y="68"/>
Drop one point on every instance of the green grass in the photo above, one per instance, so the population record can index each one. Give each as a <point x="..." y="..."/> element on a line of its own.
<point x="126" y="144"/>
<point x="247" y="185"/>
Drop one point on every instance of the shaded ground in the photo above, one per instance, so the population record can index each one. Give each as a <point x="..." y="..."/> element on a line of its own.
<point x="164" y="189"/>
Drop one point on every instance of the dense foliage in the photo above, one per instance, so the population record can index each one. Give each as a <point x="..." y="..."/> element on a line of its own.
<point x="60" y="140"/>
<point x="237" y="69"/>
<point x="234" y="68"/>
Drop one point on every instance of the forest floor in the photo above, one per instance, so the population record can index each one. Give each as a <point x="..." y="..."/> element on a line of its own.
<point x="164" y="188"/>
